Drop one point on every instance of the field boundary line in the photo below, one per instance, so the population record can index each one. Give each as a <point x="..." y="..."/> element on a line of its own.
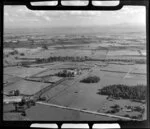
<point x="121" y="72"/>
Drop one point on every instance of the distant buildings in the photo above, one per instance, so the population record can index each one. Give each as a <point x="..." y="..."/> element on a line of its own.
<point x="69" y="73"/>
<point x="75" y="71"/>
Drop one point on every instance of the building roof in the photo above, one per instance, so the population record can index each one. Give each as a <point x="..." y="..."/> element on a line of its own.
<point x="12" y="99"/>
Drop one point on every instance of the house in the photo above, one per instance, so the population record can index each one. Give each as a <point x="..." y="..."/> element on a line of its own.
<point x="74" y="71"/>
<point x="128" y="110"/>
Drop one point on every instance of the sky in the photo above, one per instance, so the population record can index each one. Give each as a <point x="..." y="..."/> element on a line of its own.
<point x="21" y="16"/>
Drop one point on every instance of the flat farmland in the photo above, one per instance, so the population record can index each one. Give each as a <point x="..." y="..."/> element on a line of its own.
<point x="113" y="58"/>
<point x="46" y="112"/>
<point x="75" y="94"/>
<point x="48" y="72"/>
<point x="26" y="87"/>
<point x="123" y="52"/>
<point x="22" y="71"/>
<point x="8" y="80"/>
<point x="135" y="68"/>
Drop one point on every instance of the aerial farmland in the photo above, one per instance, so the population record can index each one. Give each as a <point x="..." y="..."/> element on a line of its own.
<point x="56" y="71"/>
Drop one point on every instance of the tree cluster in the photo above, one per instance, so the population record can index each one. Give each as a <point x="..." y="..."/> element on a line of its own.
<point x="45" y="47"/>
<point x="15" y="52"/>
<point x="60" y="58"/>
<point x="65" y="73"/>
<point x="91" y="79"/>
<point x="126" y="92"/>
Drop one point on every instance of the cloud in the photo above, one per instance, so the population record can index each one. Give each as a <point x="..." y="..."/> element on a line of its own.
<point x="25" y="16"/>
<point x="132" y="10"/>
<point x="9" y="20"/>
<point x="40" y="13"/>
<point x="84" y="13"/>
<point x="47" y="18"/>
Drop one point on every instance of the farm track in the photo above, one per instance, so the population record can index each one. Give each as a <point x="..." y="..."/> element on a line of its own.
<point x="67" y="87"/>
<point x="39" y="93"/>
<point x="121" y="72"/>
<point x="10" y="66"/>
<point x="42" y="71"/>
<point x="28" y="79"/>
<point x="62" y="91"/>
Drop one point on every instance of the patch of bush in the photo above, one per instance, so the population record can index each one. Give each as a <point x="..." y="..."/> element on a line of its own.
<point x="126" y="115"/>
<point x="21" y="54"/>
<point x="15" y="52"/>
<point x="91" y="79"/>
<point x="65" y="73"/>
<point x="113" y="111"/>
<point x="7" y="55"/>
<point x="16" y="57"/>
<point x="126" y="92"/>
<point x="45" y="47"/>
<point x="42" y="98"/>
<point x="134" y="117"/>
<point x="23" y="113"/>
<point x="139" y="109"/>
<point x="116" y="106"/>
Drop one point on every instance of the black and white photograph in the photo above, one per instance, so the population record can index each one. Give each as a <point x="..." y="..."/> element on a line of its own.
<point x="74" y="65"/>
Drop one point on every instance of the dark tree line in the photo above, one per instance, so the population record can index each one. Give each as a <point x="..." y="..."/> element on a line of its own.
<point x="60" y="58"/>
<point x="137" y="61"/>
<point x="91" y="79"/>
<point x="45" y="47"/>
<point x="126" y="92"/>
<point x="85" y="58"/>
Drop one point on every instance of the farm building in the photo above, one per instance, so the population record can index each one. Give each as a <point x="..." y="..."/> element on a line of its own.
<point x="69" y="73"/>
<point x="12" y="99"/>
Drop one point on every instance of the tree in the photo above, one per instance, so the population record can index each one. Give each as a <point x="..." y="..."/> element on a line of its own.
<point x="23" y="113"/>
<point x="21" y="54"/>
<point x="17" y="93"/>
<point x="16" y="106"/>
<point x="45" y="47"/>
